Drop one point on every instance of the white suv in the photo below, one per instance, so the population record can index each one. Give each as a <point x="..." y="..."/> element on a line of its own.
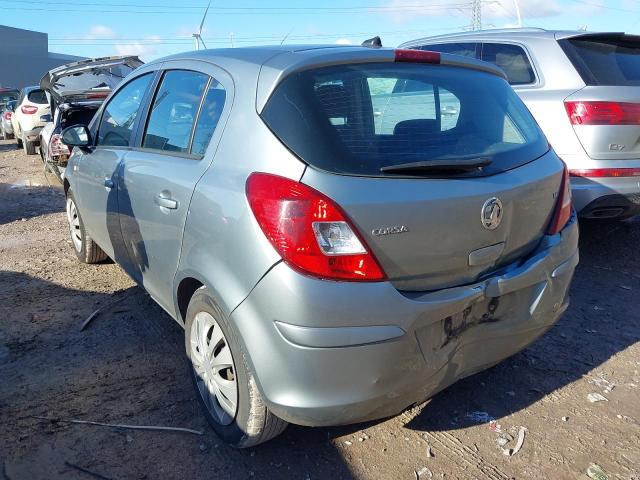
<point x="31" y="114"/>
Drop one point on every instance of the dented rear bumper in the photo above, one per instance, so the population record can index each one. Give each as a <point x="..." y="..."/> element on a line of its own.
<point x="330" y="353"/>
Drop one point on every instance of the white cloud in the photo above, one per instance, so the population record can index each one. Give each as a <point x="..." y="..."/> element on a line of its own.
<point x="496" y="9"/>
<point x="139" y="48"/>
<point x="101" y="31"/>
<point x="344" y="41"/>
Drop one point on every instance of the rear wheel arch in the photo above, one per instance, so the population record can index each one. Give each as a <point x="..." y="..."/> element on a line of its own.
<point x="186" y="288"/>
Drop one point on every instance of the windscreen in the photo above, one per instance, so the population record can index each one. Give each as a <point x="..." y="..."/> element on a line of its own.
<point x="605" y="60"/>
<point x="360" y="118"/>
<point x="7" y="96"/>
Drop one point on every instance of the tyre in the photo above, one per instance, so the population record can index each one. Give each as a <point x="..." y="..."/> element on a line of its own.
<point x="19" y="141"/>
<point x="86" y="249"/>
<point x="225" y="386"/>
<point x="4" y="135"/>
<point x="29" y="147"/>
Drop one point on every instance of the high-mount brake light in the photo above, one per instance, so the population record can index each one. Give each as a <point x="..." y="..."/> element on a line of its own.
<point x="309" y="230"/>
<point x="417" y="56"/>
<point x="564" y="206"/>
<point x="603" y="113"/>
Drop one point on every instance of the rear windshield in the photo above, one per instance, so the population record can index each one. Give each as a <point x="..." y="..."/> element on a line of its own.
<point x="37" y="96"/>
<point x="605" y="60"/>
<point x="357" y="119"/>
<point x="8" y="96"/>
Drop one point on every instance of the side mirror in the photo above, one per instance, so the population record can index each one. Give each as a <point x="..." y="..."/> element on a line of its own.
<point x="76" y="136"/>
<point x="46" y="118"/>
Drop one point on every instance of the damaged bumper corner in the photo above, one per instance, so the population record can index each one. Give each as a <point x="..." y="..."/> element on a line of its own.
<point x="331" y="353"/>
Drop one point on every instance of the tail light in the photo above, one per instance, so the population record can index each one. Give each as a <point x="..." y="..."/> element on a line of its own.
<point x="417" y="56"/>
<point x="56" y="147"/>
<point x="605" y="172"/>
<point x="29" y="109"/>
<point x="603" y="113"/>
<point x="564" y="206"/>
<point x="309" y="230"/>
<point x="7" y="115"/>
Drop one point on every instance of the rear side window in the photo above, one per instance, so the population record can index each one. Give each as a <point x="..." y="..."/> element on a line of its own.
<point x="357" y="119"/>
<point x="512" y="59"/>
<point x="605" y="60"/>
<point x="209" y="117"/>
<point x="119" y="116"/>
<point x="466" y="49"/>
<point x="37" y="96"/>
<point x="174" y="110"/>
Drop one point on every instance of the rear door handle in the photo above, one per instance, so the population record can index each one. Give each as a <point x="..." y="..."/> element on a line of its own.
<point x="165" y="202"/>
<point x="108" y="183"/>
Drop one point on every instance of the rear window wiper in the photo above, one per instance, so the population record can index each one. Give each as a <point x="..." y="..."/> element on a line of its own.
<point x="439" y="165"/>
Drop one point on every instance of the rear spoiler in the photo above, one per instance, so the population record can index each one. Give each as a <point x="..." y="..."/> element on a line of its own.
<point x="620" y="36"/>
<point x="279" y="67"/>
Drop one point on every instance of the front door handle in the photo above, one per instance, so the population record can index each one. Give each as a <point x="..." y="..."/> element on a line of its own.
<point x="165" y="202"/>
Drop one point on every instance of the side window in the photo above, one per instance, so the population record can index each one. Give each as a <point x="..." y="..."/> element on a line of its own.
<point x="209" y="117"/>
<point x="512" y="59"/>
<point x="469" y="49"/>
<point x="120" y="113"/>
<point x="174" y="110"/>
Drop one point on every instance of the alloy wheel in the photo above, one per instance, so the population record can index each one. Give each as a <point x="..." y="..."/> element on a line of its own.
<point x="74" y="224"/>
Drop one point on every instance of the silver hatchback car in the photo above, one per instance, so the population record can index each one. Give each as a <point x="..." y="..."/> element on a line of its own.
<point x="583" y="88"/>
<point x="342" y="231"/>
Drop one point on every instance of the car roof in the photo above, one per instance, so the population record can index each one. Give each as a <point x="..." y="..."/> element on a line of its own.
<point x="511" y="33"/>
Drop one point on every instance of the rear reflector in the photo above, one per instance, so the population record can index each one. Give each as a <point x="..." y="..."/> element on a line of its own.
<point x="564" y="206"/>
<point x="309" y="230"/>
<point x="29" y="109"/>
<point x="603" y="113"/>
<point x="605" y="172"/>
<point x="417" y="56"/>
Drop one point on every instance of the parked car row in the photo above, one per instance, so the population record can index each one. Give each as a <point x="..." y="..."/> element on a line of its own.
<point x="342" y="231"/>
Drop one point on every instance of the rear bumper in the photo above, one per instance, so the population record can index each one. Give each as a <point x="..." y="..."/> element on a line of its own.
<point x="606" y="197"/>
<point x="32" y="135"/>
<point x="7" y="127"/>
<point x="330" y="353"/>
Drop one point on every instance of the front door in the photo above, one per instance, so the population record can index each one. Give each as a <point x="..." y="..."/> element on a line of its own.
<point x="97" y="171"/>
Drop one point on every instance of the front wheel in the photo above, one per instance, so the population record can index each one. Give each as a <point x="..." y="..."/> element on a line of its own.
<point x="226" y="388"/>
<point x="86" y="249"/>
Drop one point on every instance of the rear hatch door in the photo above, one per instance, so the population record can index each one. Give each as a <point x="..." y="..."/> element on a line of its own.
<point x="442" y="169"/>
<point x="88" y="79"/>
<point x="606" y="113"/>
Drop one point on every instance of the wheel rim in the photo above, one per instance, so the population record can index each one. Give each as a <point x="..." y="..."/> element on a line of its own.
<point x="214" y="369"/>
<point x="74" y="224"/>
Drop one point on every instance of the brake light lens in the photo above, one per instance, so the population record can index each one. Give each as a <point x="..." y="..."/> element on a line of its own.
<point x="56" y="147"/>
<point x="564" y="206"/>
<point x="7" y="115"/>
<point x="605" y="172"/>
<point x="309" y="230"/>
<point x="603" y="113"/>
<point x="417" y="56"/>
<point x="29" y="109"/>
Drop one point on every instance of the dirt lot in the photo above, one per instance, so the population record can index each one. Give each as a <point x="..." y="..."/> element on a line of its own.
<point x="128" y="367"/>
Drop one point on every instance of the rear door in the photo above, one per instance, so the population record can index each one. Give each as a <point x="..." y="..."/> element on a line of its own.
<point x="606" y="113"/>
<point x="159" y="176"/>
<point x="96" y="172"/>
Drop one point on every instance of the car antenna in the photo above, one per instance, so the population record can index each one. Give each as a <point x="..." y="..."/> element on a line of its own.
<point x="374" y="42"/>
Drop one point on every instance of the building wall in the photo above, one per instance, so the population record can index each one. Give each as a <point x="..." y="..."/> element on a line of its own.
<point x="25" y="57"/>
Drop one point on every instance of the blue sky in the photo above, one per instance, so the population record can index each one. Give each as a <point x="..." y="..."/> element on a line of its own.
<point x="154" y="28"/>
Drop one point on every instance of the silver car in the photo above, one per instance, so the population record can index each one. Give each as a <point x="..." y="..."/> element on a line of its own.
<point x="583" y="88"/>
<point x="342" y="231"/>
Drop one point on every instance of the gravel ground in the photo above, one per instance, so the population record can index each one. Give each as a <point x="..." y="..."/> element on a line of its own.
<point x="128" y="367"/>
